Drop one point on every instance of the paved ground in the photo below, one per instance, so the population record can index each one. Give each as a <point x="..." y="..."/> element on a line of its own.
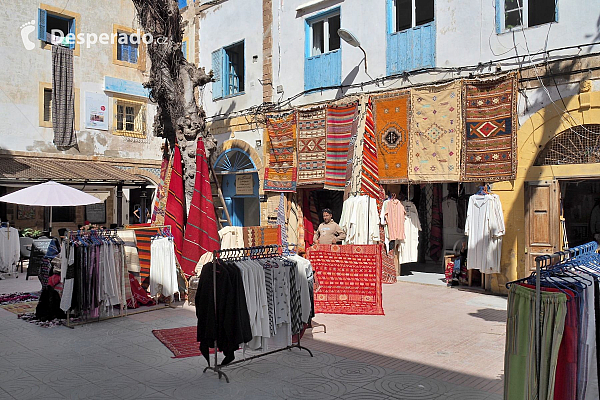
<point x="433" y="343"/>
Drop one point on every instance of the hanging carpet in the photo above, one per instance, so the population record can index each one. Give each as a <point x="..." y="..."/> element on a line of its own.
<point x="261" y="235"/>
<point x="175" y="211"/>
<point x="341" y="123"/>
<point x="490" y="135"/>
<point x="391" y="112"/>
<point x="201" y="234"/>
<point x="369" y="180"/>
<point x="349" y="278"/>
<point x="312" y="146"/>
<point x="160" y="203"/>
<point x="435" y="129"/>
<point x="281" y="171"/>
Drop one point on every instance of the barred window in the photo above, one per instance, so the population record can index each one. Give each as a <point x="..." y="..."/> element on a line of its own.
<point x="577" y="145"/>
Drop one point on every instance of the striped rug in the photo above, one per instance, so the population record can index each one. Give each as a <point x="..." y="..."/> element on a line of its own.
<point x="341" y="121"/>
<point x="201" y="234"/>
<point x="143" y="238"/>
<point x="370" y="170"/>
<point x="175" y="214"/>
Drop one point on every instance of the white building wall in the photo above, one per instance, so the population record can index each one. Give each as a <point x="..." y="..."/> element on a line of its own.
<point x="23" y="70"/>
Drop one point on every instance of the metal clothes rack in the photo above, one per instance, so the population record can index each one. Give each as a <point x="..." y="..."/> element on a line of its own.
<point x="239" y="254"/>
<point x="546" y="261"/>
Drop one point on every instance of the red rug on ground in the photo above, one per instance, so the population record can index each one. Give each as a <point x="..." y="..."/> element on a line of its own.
<point x="181" y="341"/>
<point x="349" y="278"/>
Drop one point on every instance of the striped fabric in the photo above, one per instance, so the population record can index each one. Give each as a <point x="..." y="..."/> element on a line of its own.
<point x="175" y="214"/>
<point x="281" y="221"/>
<point x="270" y="289"/>
<point x="201" y="234"/>
<point x="143" y="238"/>
<point x="340" y="124"/>
<point x="295" y="302"/>
<point x="370" y="170"/>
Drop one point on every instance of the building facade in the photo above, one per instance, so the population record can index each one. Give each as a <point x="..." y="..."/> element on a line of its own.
<point x="300" y="59"/>
<point x="116" y="156"/>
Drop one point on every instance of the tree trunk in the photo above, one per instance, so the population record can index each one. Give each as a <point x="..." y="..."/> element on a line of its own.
<point x="172" y="83"/>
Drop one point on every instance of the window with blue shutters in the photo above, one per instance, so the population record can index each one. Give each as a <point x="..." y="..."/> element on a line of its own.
<point x="183" y="3"/>
<point x="323" y="55"/>
<point x="410" y="35"/>
<point x="127" y="51"/>
<point x="228" y="66"/>
<point x="56" y="28"/>
<point x="518" y="14"/>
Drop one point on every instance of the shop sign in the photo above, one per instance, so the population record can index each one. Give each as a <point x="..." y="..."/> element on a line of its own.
<point x="244" y="185"/>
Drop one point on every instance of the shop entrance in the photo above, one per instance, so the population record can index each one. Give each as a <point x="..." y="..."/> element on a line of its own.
<point x="239" y="183"/>
<point x="581" y="210"/>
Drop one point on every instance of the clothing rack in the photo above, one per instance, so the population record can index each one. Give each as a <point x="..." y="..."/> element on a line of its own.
<point x="241" y="253"/>
<point x="544" y="262"/>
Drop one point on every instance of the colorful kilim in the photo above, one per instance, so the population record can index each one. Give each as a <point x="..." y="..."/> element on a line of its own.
<point x="349" y="278"/>
<point x="341" y="121"/>
<point x="21" y="308"/>
<point x="175" y="211"/>
<point x="434" y="138"/>
<point x="392" y="112"/>
<point x="369" y="180"/>
<point x="261" y="235"/>
<point x="201" y="234"/>
<point x="160" y="203"/>
<point x="143" y="239"/>
<point x="312" y="146"/>
<point x="490" y="136"/>
<point x="281" y="172"/>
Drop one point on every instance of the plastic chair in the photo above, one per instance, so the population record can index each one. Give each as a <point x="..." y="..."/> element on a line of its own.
<point x="25" y="244"/>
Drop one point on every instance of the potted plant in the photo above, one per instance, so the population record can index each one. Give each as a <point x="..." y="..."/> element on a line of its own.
<point x="31" y="232"/>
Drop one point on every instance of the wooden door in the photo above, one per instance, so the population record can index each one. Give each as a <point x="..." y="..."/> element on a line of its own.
<point x="542" y="220"/>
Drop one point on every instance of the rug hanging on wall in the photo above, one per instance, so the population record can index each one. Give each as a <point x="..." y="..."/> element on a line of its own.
<point x="261" y="235"/>
<point x="369" y="180"/>
<point x="391" y="111"/>
<point x="490" y="136"/>
<point x="312" y="145"/>
<point x="281" y="172"/>
<point x="434" y="138"/>
<point x="341" y="123"/>
<point x="349" y="278"/>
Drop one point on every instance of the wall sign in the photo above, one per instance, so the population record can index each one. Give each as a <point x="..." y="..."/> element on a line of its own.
<point x="96" y="111"/>
<point x="96" y="213"/>
<point x="244" y="184"/>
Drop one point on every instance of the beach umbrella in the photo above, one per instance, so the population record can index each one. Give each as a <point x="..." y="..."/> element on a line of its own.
<point x="50" y="194"/>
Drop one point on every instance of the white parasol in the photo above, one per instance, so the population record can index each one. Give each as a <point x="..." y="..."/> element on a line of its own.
<point x="50" y="194"/>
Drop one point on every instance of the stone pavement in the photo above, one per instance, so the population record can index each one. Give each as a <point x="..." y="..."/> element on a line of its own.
<point x="433" y="343"/>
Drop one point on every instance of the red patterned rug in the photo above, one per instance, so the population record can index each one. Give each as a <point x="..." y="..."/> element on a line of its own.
<point x="181" y="341"/>
<point x="349" y="278"/>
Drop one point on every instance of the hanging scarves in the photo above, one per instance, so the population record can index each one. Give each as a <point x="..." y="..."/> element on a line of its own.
<point x="175" y="211"/>
<point x="201" y="234"/>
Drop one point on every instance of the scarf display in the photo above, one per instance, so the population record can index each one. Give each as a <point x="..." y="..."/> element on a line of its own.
<point x="489" y="140"/>
<point x="201" y="234"/>
<point x="281" y="172"/>
<point x="435" y="128"/>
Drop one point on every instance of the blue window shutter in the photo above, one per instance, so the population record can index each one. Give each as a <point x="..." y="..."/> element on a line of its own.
<point x="125" y="52"/>
<point x="184" y="49"/>
<point x="182" y="3"/>
<point x="133" y="53"/>
<point x="217" y="68"/>
<point x="390" y="16"/>
<point x="42" y="24"/>
<point x="499" y="10"/>
<point x="73" y="31"/>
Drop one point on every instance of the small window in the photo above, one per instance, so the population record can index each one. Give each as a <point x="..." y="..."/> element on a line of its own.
<point x="47" y="105"/>
<point x="64" y="214"/>
<point x="527" y="13"/>
<point x="126" y="50"/>
<point x="404" y="10"/>
<point x="54" y="27"/>
<point x="234" y="64"/>
<point x="130" y="119"/>
<point x="324" y="34"/>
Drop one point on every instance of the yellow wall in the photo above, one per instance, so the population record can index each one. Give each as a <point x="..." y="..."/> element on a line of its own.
<point x="532" y="137"/>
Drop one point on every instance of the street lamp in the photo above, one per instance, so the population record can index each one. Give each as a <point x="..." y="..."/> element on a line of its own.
<point x="352" y="41"/>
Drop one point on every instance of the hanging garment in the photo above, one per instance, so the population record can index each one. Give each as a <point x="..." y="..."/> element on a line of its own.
<point x="395" y="216"/>
<point x="201" y="234"/>
<point x="485" y="228"/>
<point x="408" y="251"/>
<point x="163" y="268"/>
<point x="360" y="220"/>
<point x="63" y="98"/>
<point x="10" y="250"/>
<point x="232" y="237"/>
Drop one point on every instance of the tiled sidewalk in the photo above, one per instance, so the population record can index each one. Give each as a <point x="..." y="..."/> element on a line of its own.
<point x="433" y="343"/>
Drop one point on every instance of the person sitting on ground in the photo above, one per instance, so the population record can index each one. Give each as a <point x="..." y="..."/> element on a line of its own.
<point x="329" y="232"/>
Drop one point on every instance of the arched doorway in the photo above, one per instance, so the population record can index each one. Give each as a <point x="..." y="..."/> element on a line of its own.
<point x="239" y="183"/>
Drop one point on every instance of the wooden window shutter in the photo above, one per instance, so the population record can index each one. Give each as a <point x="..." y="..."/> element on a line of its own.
<point x="42" y="15"/>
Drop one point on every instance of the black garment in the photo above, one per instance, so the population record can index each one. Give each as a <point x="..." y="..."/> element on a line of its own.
<point x="231" y="325"/>
<point x="48" y="307"/>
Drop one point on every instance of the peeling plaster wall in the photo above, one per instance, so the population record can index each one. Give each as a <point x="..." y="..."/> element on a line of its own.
<point x="23" y="70"/>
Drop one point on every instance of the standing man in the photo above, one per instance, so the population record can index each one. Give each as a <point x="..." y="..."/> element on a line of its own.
<point x="329" y="232"/>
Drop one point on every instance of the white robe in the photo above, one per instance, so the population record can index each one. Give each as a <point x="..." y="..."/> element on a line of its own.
<point x="485" y="228"/>
<point x="408" y="250"/>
